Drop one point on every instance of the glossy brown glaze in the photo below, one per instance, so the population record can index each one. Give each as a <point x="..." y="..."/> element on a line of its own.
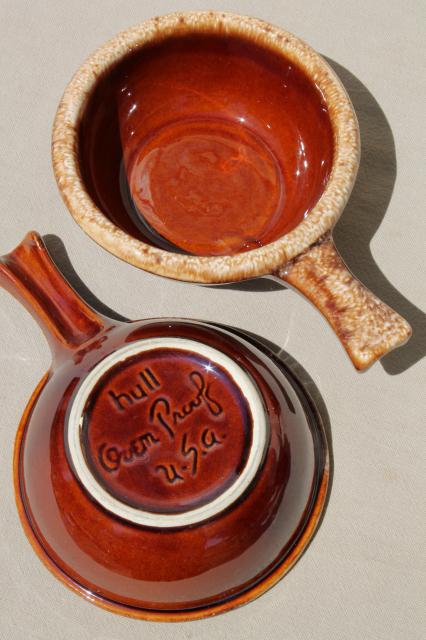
<point x="29" y="275"/>
<point x="166" y="431"/>
<point x="149" y="571"/>
<point x="226" y="145"/>
<point x="163" y="569"/>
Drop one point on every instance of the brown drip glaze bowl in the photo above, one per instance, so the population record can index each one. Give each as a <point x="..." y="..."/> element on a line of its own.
<point x="164" y="469"/>
<point x="212" y="148"/>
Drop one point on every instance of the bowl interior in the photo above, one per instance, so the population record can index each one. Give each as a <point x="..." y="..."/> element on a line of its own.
<point x="205" y="144"/>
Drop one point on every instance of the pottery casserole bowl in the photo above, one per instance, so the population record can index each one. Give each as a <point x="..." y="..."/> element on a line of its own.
<point x="164" y="469"/>
<point x="320" y="137"/>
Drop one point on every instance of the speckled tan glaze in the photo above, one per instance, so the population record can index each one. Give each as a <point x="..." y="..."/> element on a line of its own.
<point x="366" y="326"/>
<point x="270" y="258"/>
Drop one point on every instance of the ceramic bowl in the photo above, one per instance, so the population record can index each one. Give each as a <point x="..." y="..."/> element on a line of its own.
<point x="239" y="148"/>
<point x="164" y="469"/>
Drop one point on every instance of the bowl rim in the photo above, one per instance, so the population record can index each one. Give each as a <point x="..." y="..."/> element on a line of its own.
<point x="205" y="269"/>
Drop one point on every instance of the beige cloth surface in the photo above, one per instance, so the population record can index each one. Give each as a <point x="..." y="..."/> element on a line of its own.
<point x="363" y="575"/>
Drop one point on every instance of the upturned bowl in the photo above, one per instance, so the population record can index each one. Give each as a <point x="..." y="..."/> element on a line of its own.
<point x="212" y="148"/>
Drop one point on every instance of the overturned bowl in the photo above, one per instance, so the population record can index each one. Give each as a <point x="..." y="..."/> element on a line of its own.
<point x="164" y="469"/>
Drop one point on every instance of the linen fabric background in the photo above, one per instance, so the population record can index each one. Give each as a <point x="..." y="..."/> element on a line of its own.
<point x="363" y="574"/>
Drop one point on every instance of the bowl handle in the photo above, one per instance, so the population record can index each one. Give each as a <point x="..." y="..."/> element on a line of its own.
<point x="366" y="326"/>
<point x="29" y="274"/>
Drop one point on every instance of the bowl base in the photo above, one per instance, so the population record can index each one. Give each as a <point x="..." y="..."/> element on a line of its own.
<point x="208" y="186"/>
